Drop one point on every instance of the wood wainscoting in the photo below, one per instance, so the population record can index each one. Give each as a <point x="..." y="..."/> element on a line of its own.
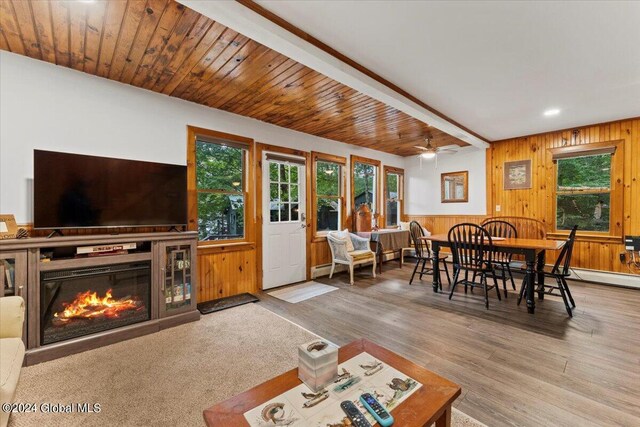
<point x="439" y="224"/>
<point x="226" y="271"/>
<point x="590" y="252"/>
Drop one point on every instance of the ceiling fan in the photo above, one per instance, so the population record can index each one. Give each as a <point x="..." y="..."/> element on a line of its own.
<point x="429" y="151"/>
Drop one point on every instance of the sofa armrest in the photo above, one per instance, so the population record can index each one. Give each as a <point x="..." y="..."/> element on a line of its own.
<point x="11" y="317"/>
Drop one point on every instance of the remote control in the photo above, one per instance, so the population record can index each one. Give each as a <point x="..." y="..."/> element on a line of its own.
<point x="354" y="414"/>
<point x="382" y="416"/>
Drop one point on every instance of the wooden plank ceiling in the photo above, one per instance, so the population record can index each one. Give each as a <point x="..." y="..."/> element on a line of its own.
<point x="166" y="47"/>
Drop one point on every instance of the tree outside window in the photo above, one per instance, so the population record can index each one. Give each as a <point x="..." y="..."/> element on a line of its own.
<point x="583" y="193"/>
<point x="328" y="197"/>
<point x="364" y="185"/>
<point x="220" y="185"/>
<point x="393" y="187"/>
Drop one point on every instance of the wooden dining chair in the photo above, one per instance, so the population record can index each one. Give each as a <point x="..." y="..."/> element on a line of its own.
<point x="423" y="254"/>
<point x="501" y="259"/>
<point x="472" y="247"/>
<point x="560" y="271"/>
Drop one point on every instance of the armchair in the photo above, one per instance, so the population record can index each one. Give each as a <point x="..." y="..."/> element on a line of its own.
<point x="11" y="349"/>
<point x="361" y="253"/>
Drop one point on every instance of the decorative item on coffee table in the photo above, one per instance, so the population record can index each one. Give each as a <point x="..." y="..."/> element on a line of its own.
<point x="317" y="364"/>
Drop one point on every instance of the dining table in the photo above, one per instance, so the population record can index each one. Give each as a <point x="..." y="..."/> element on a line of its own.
<point x="533" y="251"/>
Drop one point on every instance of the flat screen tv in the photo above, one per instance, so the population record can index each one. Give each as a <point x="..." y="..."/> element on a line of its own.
<point x="75" y="191"/>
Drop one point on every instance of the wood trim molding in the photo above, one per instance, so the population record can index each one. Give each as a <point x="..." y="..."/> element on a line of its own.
<point x="316" y="155"/>
<point x="352" y="160"/>
<point x="322" y="46"/>
<point x="342" y="161"/>
<point x="260" y="148"/>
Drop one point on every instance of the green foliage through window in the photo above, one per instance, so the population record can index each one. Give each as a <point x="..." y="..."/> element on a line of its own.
<point x="284" y="192"/>
<point x="583" y="194"/>
<point x="220" y="187"/>
<point x="328" y="202"/>
<point x="364" y="185"/>
<point x="392" y="208"/>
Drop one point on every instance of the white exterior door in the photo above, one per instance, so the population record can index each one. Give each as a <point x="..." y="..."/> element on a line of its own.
<point x="284" y="247"/>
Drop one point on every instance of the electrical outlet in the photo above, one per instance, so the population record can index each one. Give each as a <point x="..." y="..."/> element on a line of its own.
<point x="623" y="257"/>
<point x="498" y="208"/>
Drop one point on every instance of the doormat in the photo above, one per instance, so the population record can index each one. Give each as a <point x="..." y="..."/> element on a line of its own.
<point x="302" y="292"/>
<point x="227" y="302"/>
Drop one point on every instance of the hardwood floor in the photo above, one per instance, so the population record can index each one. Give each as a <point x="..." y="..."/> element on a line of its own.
<point x="514" y="368"/>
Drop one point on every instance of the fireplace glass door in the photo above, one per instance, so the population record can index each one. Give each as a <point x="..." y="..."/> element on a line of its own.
<point x="84" y="301"/>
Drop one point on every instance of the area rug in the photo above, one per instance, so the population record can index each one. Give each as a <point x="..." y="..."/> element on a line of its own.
<point x="302" y="292"/>
<point x="169" y="378"/>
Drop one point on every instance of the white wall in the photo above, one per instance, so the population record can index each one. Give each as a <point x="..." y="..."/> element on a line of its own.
<point x="422" y="185"/>
<point x="43" y="106"/>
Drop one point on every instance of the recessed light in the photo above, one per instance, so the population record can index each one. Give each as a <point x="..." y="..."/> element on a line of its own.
<point x="552" y="112"/>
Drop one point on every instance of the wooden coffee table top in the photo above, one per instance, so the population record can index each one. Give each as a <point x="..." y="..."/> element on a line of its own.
<point x="423" y="407"/>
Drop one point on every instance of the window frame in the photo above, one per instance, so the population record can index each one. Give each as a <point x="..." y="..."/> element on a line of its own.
<point x="342" y="163"/>
<point x="616" y="216"/>
<point x="390" y="170"/>
<point x="364" y="160"/>
<point x="193" y="133"/>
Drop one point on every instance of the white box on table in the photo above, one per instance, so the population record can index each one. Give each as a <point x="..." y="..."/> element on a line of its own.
<point x="317" y="364"/>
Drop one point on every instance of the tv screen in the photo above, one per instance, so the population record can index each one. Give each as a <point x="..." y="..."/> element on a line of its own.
<point x="73" y="190"/>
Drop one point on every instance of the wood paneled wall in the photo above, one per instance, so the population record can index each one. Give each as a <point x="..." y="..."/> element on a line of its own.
<point x="590" y="253"/>
<point x="439" y="224"/>
<point x="223" y="274"/>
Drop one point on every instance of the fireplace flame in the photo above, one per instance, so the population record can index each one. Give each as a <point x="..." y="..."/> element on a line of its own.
<point x="89" y="305"/>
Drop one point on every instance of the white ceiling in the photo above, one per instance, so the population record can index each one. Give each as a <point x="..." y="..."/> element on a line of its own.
<point x="492" y="66"/>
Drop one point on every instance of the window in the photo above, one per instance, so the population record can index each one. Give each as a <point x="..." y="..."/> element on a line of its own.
<point x="583" y="193"/>
<point x="587" y="192"/>
<point x="394" y="195"/>
<point x="365" y="185"/>
<point x="284" y="191"/>
<point x="221" y="183"/>
<point x="329" y="182"/>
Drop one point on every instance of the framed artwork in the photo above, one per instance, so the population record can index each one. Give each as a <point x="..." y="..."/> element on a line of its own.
<point x="517" y="175"/>
<point x="8" y="227"/>
<point x="454" y="187"/>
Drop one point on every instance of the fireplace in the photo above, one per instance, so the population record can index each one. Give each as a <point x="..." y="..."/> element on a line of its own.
<point x="84" y="301"/>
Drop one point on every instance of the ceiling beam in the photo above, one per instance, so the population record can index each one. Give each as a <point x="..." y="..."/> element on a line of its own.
<point x="255" y="22"/>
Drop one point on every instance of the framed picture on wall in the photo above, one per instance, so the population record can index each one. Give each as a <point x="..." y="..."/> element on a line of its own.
<point x="517" y="175"/>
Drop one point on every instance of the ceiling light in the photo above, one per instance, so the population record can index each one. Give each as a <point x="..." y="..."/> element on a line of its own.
<point x="428" y="155"/>
<point x="551" y="112"/>
<point x="329" y="171"/>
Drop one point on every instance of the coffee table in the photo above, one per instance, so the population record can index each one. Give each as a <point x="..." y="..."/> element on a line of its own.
<point x="429" y="404"/>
